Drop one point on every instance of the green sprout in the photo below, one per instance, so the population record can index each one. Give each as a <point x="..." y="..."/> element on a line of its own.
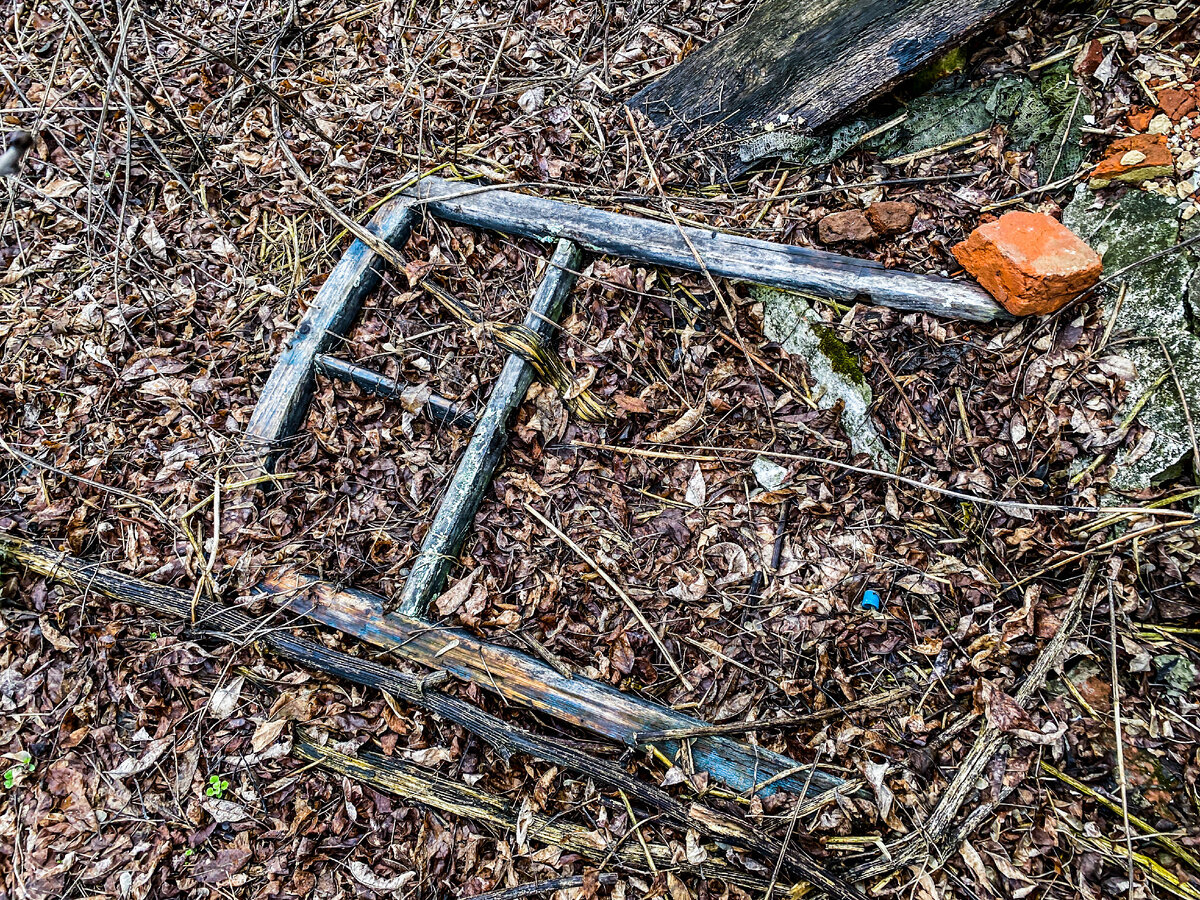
<point x="217" y="787"/>
<point x="154" y="635"/>
<point x="25" y="762"/>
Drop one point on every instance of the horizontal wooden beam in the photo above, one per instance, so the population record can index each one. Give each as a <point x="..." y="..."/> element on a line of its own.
<point x="693" y="249"/>
<point x="521" y="679"/>
<point x="436" y="407"/>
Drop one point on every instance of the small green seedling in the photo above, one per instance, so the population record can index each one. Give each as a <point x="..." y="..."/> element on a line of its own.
<point x="154" y="635"/>
<point x="25" y="763"/>
<point x="217" y="787"/>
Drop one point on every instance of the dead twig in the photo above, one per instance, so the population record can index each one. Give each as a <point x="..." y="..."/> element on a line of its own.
<point x="620" y="592"/>
<point x="912" y="847"/>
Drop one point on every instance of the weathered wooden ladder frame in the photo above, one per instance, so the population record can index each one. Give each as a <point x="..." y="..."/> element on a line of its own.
<point x="285" y="399"/>
<point x="516" y="676"/>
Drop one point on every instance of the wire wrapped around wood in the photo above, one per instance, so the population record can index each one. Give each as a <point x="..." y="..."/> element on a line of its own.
<point x="533" y="349"/>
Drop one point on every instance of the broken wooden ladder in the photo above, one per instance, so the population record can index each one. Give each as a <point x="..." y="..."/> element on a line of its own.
<point x="517" y="677"/>
<point x="284" y="403"/>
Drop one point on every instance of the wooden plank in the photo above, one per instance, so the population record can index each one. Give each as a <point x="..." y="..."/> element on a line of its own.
<point x="283" y="404"/>
<point x="732" y="256"/>
<point x="237" y="627"/>
<point x="521" y="679"/>
<point x="442" y="543"/>
<point x="803" y="64"/>
<point x="436" y="407"/>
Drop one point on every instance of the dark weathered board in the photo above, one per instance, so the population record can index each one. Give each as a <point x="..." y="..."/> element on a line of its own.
<point x="281" y="408"/>
<point x="695" y="249"/>
<point x="436" y="407"/>
<point x="521" y="679"/>
<point x="804" y="63"/>
<point x="234" y="625"/>
<point x="456" y="513"/>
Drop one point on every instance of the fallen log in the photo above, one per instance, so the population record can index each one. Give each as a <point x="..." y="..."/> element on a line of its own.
<point x="519" y="678"/>
<point x="236" y="626"/>
<point x="795" y="66"/>
<point x="420" y="785"/>
<point x="731" y="256"/>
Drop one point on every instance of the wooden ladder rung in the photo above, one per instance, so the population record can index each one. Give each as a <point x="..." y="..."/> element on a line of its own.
<point x="437" y="407"/>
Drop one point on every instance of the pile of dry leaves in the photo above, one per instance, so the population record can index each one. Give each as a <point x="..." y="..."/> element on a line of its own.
<point x="157" y="249"/>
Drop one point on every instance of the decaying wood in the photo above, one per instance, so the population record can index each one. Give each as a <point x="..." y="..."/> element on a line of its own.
<point x="795" y="64"/>
<point x="925" y="841"/>
<point x="456" y="514"/>
<point x="436" y="407"/>
<point x="507" y="739"/>
<point x="521" y="679"/>
<point x="883" y="698"/>
<point x="396" y="776"/>
<point x="731" y="256"/>
<point x="283" y="404"/>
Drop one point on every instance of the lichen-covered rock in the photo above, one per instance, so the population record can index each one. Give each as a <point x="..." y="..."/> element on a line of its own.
<point x="1124" y="231"/>
<point x="1030" y="262"/>
<point x="790" y="321"/>
<point x="1045" y="116"/>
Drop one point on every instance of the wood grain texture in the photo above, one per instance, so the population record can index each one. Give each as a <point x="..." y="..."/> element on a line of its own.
<point x="732" y="256"/>
<point x="283" y="404"/>
<point x="456" y="514"/>
<point x="521" y="679"/>
<point x="394" y="775"/>
<point x="804" y="63"/>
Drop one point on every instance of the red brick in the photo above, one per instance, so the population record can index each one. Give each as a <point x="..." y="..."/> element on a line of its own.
<point x="1118" y="165"/>
<point x="891" y="216"/>
<point x="851" y="225"/>
<point x="1139" y="118"/>
<point x="1030" y="262"/>
<point x="1176" y="103"/>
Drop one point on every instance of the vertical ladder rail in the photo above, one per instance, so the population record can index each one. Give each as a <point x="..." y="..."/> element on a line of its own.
<point x="454" y="517"/>
<point x="283" y="405"/>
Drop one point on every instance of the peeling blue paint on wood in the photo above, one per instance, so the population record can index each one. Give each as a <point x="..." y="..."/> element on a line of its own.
<point x="519" y="678"/>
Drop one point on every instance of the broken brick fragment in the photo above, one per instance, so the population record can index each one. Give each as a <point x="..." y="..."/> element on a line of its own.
<point x="891" y="216"/>
<point x="1176" y="103"/>
<point x="1139" y="118"/>
<point x="850" y="225"/>
<point x="1133" y="159"/>
<point x="1030" y="262"/>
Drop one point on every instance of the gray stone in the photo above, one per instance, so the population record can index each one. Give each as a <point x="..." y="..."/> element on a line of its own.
<point x="1037" y="115"/>
<point x="1125" y="231"/>
<point x="790" y="321"/>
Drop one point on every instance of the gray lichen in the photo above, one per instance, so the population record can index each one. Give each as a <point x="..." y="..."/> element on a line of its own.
<point x="790" y="321"/>
<point x="1035" y="114"/>
<point x="1126" y="231"/>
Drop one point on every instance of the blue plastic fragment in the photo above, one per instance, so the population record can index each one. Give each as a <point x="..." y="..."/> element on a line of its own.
<point x="872" y="600"/>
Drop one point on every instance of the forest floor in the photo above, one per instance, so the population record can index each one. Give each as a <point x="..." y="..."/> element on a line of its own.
<point x="157" y="250"/>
